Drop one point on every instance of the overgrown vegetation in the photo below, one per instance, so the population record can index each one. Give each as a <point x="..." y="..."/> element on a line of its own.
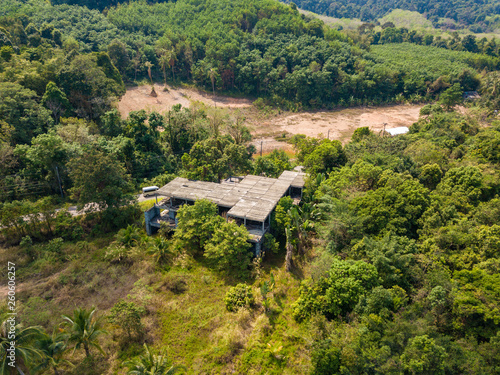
<point x="389" y="264"/>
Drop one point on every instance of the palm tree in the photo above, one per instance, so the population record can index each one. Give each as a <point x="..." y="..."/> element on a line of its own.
<point x="171" y="59"/>
<point x="212" y="74"/>
<point x="24" y="352"/>
<point x="149" y="65"/>
<point x="152" y="364"/>
<point x="159" y="249"/>
<point x="300" y="218"/>
<point x="84" y="330"/>
<point x="53" y="348"/>
<point x="163" y="60"/>
<point x="129" y="237"/>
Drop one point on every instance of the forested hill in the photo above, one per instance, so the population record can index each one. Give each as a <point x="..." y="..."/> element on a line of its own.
<point x="258" y="48"/>
<point x="464" y="12"/>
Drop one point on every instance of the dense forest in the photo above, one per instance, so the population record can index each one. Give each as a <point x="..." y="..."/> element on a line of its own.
<point x="389" y="264"/>
<point x="465" y="13"/>
<point x="260" y="49"/>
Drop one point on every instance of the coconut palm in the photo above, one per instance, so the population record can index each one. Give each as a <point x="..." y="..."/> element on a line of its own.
<point x="53" y="347"/>
<point x="84" y="330"/>
<point x="151" y="363"/>
<point x="163" y="60"/>
<point x="171" y="58"/>
<point x="212" y="74"/>
<point x="149" y="65"/>
<point x="24" y="352"/>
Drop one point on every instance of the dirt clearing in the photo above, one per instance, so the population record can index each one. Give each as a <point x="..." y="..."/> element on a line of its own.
<point x="340" y="124"/>
<point x="137" y="98"/>
<point x="335" y="124"/>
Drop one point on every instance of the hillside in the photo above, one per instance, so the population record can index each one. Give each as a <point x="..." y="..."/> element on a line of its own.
<point x="462" y="13"/>
<point x="382" y="256"/>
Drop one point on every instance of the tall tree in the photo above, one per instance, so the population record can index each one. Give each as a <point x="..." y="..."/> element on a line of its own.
<point x="55" y="100"/>
<point x="196" y="224"/>
<point x="98" y="178"/>
<point x="19" y="108"/>
<point x="228" y="249"/>
<point x="289" y="249"/>
<point x="212" y="74"/>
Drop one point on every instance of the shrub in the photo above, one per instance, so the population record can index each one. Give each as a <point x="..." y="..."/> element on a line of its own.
<point x="127" y="315"/>
<point x="228" y="250"/>
<point x="360" y="133"/>
<point x="325" y="358"/>
<point x="238" y="296"/>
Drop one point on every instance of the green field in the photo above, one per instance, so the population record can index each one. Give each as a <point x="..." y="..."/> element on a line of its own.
<point x="428" y="62"/>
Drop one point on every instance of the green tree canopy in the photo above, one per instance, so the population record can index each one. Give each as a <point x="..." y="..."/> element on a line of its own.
<point x="338" y="292"/>
<point x="195" y="226"/>
<point x="228" y="249"/>
<point x="20" y="109"/>
<point x="98" y="178"/>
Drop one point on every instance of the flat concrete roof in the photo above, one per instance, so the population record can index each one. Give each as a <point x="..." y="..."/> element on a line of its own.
<point x="253" y="198"/>
<point x="295" y="178"/>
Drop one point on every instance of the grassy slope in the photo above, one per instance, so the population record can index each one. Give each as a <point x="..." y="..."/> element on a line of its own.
<point x="408" y="19"/>
<point x="185" y="310"/>
<point x="401" y="18"/>
<point x="346" y="23"/>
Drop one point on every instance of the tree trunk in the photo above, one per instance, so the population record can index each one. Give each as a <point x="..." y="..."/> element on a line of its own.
<point x="87" y="351"/>
<point x="288" y="258"/>
<point x="213" y="91"/>
<point x="300" y="248"/>
<point x="56" y="372"/>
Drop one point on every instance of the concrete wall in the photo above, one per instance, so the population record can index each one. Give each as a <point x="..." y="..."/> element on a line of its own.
<point x="149" y="215"/>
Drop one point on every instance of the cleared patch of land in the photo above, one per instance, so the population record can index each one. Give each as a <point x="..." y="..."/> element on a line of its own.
<point x="335" y="124"/>
<point x="345" y="23"/>
<point x="137" y="98"/>
<point x="340" y="124"/>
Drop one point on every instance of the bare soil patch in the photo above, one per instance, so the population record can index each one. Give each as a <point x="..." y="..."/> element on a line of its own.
<point x="336" y="124"/>
<point x="137" y="98"/>
<point x="340" y="124"/>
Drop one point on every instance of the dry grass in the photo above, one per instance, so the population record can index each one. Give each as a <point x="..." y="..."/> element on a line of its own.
<point x="185" y="313"/>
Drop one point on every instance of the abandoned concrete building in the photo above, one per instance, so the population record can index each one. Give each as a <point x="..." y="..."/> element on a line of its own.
<point x="248" y="200"/>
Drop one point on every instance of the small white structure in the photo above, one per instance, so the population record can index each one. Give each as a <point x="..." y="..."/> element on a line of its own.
<point x="149" y="190"/>
<point x="397" y="131"/>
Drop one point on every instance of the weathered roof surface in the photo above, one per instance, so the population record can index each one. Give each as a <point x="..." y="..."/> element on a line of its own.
<point x="261" y="196"/>
<point x="253" y="198"/>
<point x="183" y="188"/>
<point x="295" y="178"/>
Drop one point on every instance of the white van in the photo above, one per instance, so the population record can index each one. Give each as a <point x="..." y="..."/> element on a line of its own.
<point x="149" y="190"/>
